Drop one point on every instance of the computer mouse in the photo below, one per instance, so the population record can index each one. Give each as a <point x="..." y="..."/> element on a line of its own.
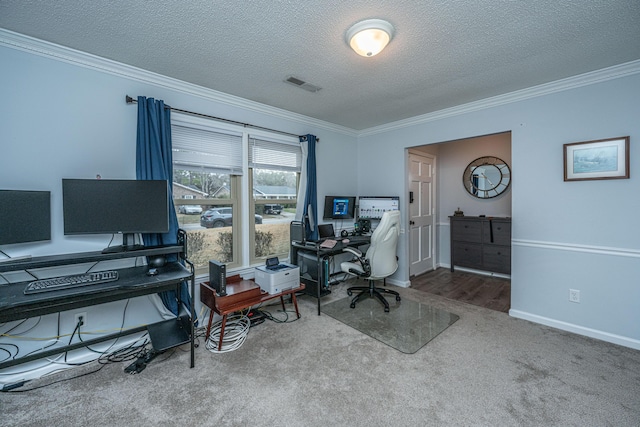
<point x="345" y="240"/>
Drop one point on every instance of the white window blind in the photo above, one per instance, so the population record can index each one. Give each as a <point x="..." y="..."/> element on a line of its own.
<point x="198" y="149"/>
<point x="272" y="155"/>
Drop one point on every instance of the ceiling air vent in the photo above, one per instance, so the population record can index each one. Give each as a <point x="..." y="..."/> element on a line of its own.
<point x="302" y="84"/>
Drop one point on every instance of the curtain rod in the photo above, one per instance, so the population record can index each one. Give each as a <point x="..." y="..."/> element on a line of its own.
<point x="130" y="100"/>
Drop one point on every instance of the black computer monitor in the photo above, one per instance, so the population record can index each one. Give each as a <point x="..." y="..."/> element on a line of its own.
<point x="25" y="216"/>
<point x="339" y="207"/>
<point x="108" y="206"/>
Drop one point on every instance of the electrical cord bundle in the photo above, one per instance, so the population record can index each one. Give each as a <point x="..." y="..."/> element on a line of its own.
<point x="124" y="354"/>
<point x="136" y="350"/>
<point x="270" y="316"/>
<point x="235" y="333"/>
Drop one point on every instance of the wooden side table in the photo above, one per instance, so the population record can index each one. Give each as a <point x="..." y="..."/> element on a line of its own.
<point x="241" y="294"/>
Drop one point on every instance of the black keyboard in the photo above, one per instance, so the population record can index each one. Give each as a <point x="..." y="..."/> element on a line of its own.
<point x="68" y="282"/>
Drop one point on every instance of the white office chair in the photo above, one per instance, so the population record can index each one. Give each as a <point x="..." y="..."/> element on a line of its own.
<point x="379" y="262"/>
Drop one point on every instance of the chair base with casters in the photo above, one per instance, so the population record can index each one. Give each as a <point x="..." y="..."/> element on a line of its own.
<point x="372" y="291"/>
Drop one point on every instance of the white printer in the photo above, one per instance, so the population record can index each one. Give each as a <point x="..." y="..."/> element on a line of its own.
<point x="277" y="278"/>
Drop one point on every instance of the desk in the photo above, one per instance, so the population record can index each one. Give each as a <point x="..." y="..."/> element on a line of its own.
<point x="321" y="256"/>
<point x="241" y="294"/>
<point x="132" y="282"/>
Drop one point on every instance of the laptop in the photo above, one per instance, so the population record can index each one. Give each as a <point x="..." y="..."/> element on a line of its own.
<point x="325" y="231"/>
<point x="326" y="236"/>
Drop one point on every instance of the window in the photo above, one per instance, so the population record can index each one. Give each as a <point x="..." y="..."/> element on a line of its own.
<point x="211" y="183"/>
<point x="274" y="175"/>
<point x="207" y="170"/>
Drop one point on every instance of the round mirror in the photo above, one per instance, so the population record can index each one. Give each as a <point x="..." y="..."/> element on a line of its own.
<point x="486" y="177"/>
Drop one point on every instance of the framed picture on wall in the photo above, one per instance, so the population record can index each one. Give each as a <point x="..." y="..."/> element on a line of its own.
<point x="600" y="159"/>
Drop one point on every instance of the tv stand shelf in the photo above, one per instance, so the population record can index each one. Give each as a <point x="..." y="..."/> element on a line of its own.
<point x="132" y="282"/>
<point x="82" y="257"/>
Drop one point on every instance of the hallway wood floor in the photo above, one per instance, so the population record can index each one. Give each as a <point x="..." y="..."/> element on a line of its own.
<point x="476" y="289"/>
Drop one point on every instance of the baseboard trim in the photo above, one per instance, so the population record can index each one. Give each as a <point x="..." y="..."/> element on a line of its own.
<point x="580" y="330"/>
<point x="400" y="283"/>
<point x="482" y="272"/>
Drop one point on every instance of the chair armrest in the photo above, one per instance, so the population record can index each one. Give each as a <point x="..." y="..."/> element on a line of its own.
<point x="354" y="251"/>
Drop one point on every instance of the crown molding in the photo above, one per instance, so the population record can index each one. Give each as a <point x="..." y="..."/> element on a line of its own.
<point x="64" y="54"/>
<point x="598" y="76"/>
<point x="57" y="52"/>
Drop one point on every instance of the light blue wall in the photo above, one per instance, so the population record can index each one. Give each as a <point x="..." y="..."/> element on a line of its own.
<point x="61" y="120"/>
<point x="578" y="235"/>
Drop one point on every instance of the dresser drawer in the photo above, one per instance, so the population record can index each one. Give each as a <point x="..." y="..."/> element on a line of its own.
<point x="481" y="243"/>
<point x="496" y="232"/>
<point x="467" y="254"/>
<point x="466" y="231"/>
<point x="497" y="258"/>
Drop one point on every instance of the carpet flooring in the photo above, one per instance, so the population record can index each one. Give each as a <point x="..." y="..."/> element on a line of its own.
<point x="487" y="369"/>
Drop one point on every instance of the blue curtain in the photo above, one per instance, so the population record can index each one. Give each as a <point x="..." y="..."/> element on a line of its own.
<point x="310" y="213"/>
<point x="155" y="161"/>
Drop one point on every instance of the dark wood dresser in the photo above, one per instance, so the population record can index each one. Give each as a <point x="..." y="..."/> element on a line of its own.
<point x="481" y="243"/>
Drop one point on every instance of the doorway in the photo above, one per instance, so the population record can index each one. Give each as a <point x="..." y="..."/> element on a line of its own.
<point x="422" y="213"/>
<point x="452" y="158"/>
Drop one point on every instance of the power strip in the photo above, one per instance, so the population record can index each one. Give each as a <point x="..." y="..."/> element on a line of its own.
<point x="141" y="363"/>
<point x="255" y="317"/>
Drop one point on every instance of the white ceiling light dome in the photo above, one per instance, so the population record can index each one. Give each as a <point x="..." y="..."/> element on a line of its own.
<point x="368" y="38"/>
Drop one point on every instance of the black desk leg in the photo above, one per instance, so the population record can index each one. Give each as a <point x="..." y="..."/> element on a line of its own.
<point x="193" y="312"/>
<point x="320" y="277"/>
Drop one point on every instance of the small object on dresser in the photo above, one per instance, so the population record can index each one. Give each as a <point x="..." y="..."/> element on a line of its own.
<point x="458" y="213"/>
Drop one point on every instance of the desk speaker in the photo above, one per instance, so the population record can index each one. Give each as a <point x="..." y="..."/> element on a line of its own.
<point x="297" y="231"/>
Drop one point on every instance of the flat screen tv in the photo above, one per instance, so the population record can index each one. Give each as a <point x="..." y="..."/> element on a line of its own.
<point x="339" y="207"/>
<point x="25" y="216"/>
<point x="109" y="206"/>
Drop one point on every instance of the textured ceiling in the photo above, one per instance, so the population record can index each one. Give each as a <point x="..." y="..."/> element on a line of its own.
<point x="444" y="53"/>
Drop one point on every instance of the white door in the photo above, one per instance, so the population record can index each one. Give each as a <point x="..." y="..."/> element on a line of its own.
<point x="421" y="213"/>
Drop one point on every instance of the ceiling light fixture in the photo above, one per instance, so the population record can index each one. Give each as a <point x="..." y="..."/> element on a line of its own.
<point x="369" y="37"/>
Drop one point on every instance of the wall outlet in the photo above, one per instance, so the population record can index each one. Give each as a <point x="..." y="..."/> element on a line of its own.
<point x="574" y="295"/>
<point x="80" y="318"/>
